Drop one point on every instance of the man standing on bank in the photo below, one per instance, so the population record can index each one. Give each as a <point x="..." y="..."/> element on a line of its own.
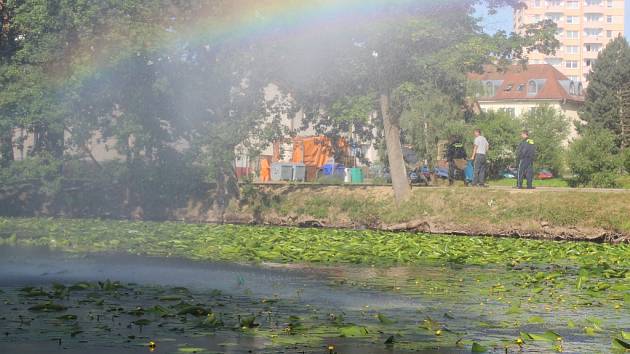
<point x="456" y="158"/>
<point x="525" y="155"/>
<point x="479" y="157"/>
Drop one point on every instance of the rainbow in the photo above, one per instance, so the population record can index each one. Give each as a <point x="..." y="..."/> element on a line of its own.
<point x="248" y="20"/>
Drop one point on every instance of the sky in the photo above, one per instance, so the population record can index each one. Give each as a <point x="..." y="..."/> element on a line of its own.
<point x="503" y="20"/>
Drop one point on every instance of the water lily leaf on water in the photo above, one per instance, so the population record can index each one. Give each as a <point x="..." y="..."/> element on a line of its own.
<point x="620" y="344"/>
<point x="570" y="324"/>
<point x="33" y="292"/>
<point x="47" y="307"/>
<point x="194" y="350"/>
<point x="515" y="309"/>
<point x="478" y="348"/>
<point x="549" y="336"/>
<point x="170" y="298"/>
<point x="384" y="319"/>
<point x="590" y="331"/>
<point x="211" y="321"/>
<point x="80" y="286"/>
<point x="353" y="331"/>
<point x="141" y="322"/>
<point x="158" y="310"/>
<point x="536" y="320"/>
<point x="625" y="335"/>
<point x="249" y="322"/>
<point x="193" y="310"/>
<point x="138" y="311"/>
<point x="430" y="324"/>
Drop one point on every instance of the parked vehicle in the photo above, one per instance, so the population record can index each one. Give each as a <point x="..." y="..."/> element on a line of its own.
<point x="509" y="173"/>
<point x="544" y="174"/>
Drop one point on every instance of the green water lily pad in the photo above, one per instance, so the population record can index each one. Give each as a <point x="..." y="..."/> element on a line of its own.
<point x="47" y="307"/>
<point x="353" y="331"/>
<point x="478" y="348"/>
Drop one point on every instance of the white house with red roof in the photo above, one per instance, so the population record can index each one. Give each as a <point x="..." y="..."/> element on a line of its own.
<point x="518" y="89"/>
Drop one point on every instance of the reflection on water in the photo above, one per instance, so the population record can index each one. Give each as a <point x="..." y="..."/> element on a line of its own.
<point x="432" y="309"/>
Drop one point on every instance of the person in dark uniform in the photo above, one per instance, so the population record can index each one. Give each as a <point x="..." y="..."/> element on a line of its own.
<point x="456" y="157"/>
<point x="525" y="155"/>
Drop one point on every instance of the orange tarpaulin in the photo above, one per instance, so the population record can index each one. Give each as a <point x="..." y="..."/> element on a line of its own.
<point x="313" y="151"/>
<point x="265" y="170"/>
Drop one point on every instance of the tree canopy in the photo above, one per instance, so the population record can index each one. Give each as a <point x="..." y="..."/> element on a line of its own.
<point x="608" y="79"/>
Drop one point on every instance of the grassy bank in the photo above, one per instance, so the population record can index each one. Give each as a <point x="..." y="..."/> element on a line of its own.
<point x="570" y="214"/>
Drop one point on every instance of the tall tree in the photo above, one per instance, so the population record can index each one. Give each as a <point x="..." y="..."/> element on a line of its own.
<point x="608" y="79"/>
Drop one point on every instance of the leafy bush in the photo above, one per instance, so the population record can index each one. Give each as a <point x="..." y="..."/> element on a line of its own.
<point x="592" y="159"/>
<point x="41" y="169"/>
<point x="604" y="180"/>
<point x="548" y="128"/>
<point x="625" y="160"/>
<point x="502" y="132"/>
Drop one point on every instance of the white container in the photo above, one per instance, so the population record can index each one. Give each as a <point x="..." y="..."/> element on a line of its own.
<point x="299" y="172"/>
<point x="347" y="177"/>
<point x="281" y="171"/>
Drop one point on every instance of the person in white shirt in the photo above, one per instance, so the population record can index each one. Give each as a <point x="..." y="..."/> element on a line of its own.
<point x="479" y="157"/>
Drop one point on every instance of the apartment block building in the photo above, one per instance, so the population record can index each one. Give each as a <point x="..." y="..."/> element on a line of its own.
<point x="584" y="28"/>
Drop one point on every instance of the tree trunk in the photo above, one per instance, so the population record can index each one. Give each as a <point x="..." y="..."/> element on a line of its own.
<point x="397" y="169"/>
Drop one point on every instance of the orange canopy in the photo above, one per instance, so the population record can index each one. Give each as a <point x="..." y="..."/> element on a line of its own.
<point x="313" y="151"/>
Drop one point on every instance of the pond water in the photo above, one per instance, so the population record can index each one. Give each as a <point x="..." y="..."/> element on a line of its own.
<point x="53" y="302"/>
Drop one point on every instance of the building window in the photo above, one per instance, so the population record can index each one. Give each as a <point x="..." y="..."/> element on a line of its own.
<point x="592" y="47"/>
<point x="571" y="64"/>
<point x="573" y="34"/>
<point x="554" y="17"/>
<point x="572" y="89"/>
<point x="592" y="32"/>
<point x="593" y="18"/>
<point x="572" y="49"/>
<point x="610" y="3"/>
<point x="580" y="88"/>
<point x="573" y="4"/>
<point x="536" y="3"/>
<point x="589" y="62"/>
<point x="609" y="34"/>
<point x="593" y="2"/>
<point x="509" y="111"/>
<point x="532" y="87"/>
<point x="573" y="20"/>
<point x="489" y="89"/>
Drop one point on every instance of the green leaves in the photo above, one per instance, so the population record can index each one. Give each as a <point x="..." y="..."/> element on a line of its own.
<point x="353" y="331"/>
<point x="47" y="307"/>
<point x="478" y="348"/>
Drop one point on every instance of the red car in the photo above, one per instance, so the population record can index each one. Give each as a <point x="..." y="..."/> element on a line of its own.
<point x="544" y="174"/>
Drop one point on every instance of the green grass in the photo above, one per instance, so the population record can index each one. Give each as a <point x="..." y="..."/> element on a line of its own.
<point x="554" y="182"/>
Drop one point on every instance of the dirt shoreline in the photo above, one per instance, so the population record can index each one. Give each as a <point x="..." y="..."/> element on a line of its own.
<point x="551" y="214"/>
